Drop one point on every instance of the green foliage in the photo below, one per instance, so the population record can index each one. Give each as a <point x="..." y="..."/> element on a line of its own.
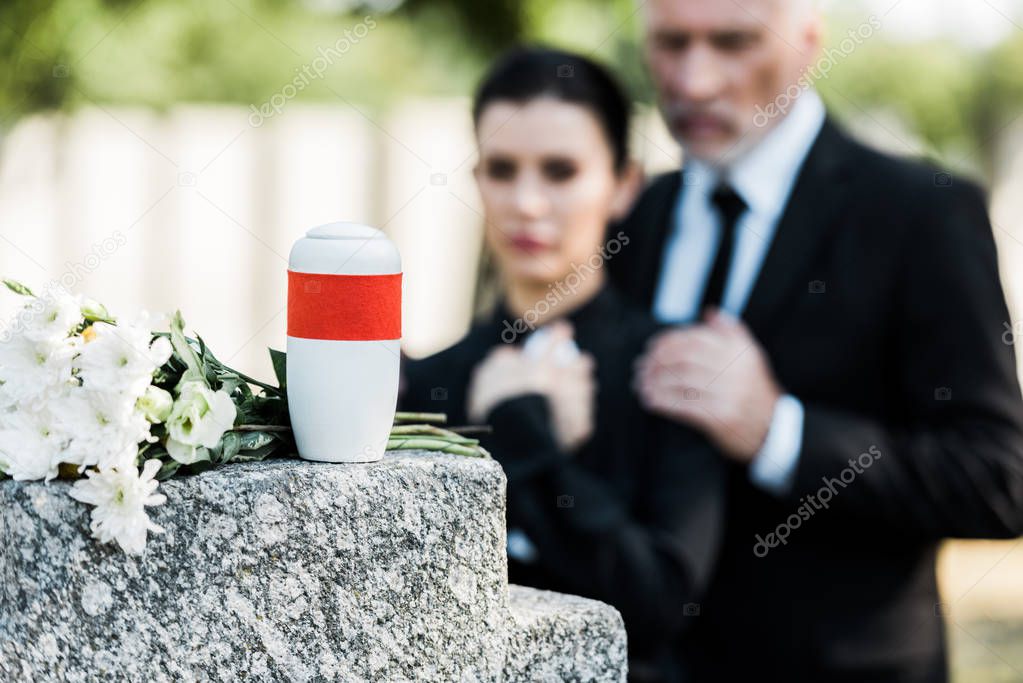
<point x="60" y="53"/>
<point x="489" y="26"/>
<point x="280" y="363"/>
<point x="156" y="53"/>
<point x="262" y="427"/>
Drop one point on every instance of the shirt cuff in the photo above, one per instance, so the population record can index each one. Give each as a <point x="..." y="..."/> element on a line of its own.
<point x="774" y="467"/>
<point x="520" y="547"/>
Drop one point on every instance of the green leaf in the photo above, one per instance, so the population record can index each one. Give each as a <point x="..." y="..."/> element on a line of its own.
<point x="232" y="443"/>
<point x="259" y="454"/>
<point x="246" y="392"/>
<point x="185" y="352"/>
<point x="168" y="470"/>
<point x="18" y="288"/>
<point x="215" y="368"/>
<point x="280" y="362"/>
<point x="225" y="380"/>
<point x="251" y="441"/>
<point x="201" y="466"/>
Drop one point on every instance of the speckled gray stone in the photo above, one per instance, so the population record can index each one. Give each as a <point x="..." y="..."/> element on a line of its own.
<point x="558" y="637"/>
<point x="292" y="571"/>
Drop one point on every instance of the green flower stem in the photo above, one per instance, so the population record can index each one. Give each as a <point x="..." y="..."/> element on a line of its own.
<point x="429" y="430"/>
<point x="433" y="437"/>
<point x="249" y="380"/>
<point x="420" y="443"/>
<point x="438" y="418"/>
<point x="468" y="451"/>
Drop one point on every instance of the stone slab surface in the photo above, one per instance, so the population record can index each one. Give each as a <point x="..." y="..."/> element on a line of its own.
<point x="558" y="637"/>
<point x="292" y="571"/>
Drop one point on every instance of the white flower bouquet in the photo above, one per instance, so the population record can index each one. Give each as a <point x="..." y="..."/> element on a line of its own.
<point x="119" y="407"/>
<point x="84" y="394"/>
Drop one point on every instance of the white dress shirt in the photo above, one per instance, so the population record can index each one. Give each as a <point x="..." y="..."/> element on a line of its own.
<point x="763" y="177"/>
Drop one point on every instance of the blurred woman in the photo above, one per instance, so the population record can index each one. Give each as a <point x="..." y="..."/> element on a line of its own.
<point x="604" y="500"/>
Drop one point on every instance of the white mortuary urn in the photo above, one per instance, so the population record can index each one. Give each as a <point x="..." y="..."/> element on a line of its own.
<point x="344" y="334"/>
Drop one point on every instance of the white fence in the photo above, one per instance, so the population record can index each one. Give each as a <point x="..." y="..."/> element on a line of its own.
<point x="197" y="209"/>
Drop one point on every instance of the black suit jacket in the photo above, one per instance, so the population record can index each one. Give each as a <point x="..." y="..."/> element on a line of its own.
<point x="621" y="519"/>
<point x="880" y="308"/>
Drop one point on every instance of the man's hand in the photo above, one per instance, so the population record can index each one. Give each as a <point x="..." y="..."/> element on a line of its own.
<point x="568" y="385"/>
<point x="714" y="377"/>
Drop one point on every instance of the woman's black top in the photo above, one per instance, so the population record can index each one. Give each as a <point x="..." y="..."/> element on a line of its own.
<point x="632" y="517"/>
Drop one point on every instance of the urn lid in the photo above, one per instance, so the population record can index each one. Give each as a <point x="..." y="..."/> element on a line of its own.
<point x="345" y="249"/>
<point x="343" y="231"/>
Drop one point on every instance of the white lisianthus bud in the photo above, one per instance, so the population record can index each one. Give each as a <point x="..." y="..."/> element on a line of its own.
<point x="93" y="310"/>
<point x="155" y="404"/>
<point x="186" y="454"/>
<point x="199" y="418"/>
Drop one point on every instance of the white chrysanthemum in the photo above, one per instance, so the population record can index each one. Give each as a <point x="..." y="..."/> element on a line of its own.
<point x="30" y="443"/>
<point x="104" y="428"/>
<point x="32" y="372"/>
<point x="198" y="419"/>
<point x="52" y="316"/>
<point x="121" y="358"/>
<point x="120" y="496"/>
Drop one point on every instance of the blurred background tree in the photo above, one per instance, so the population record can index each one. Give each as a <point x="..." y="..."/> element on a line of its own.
<point x="154" y="53"/>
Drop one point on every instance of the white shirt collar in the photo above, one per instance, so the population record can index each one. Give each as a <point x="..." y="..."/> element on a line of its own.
<point x="764" y="176"/>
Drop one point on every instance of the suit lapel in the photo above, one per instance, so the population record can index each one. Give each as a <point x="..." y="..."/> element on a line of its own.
<point x="816" y="202"/>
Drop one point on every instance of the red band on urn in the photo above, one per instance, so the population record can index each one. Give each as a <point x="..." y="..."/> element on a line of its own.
<point x="344" y="307"/>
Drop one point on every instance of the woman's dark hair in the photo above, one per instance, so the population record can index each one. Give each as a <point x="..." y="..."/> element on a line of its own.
<point x="526" y="73"/>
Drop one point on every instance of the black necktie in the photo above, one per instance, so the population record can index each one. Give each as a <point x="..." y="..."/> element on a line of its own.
<point x="730" y="206"/>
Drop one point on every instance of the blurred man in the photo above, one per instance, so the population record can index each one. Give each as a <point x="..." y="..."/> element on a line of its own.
<point x="840" y="320"/>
